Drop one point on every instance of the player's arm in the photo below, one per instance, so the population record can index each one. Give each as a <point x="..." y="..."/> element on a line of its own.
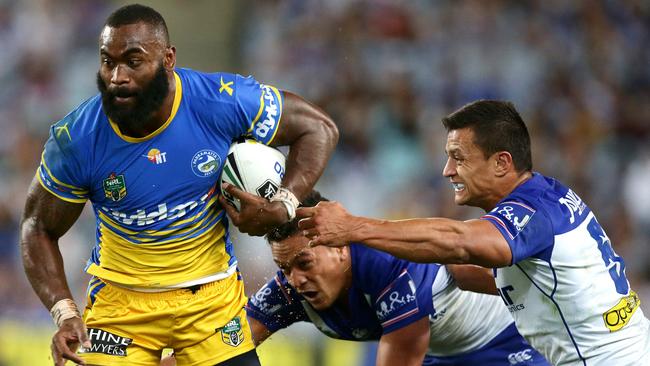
<point x="46" y="218"/>
<point x="405" y="346"/>
<point x="474" y="278"/>
<point x="259" y="330"/>
<point x="437" y="240"/>
<point x="311" y="135"/>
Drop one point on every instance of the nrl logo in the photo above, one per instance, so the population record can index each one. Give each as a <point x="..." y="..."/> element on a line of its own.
<point x="232" y="333"/>
<point x="114" y="187"/>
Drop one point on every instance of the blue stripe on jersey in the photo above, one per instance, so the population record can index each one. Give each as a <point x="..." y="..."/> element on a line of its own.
<point x="557" y="306"/>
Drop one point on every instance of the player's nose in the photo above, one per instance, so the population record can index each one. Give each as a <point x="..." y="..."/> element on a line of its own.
<point x="450" y="168"/>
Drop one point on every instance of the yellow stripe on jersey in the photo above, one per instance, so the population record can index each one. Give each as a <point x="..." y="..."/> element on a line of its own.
<point x="160" y="264"/>
<point x="259" y="112"/>
<point x="74" y="189"/>
<point x="67" y="199"/>
<point x="111" y="222"/>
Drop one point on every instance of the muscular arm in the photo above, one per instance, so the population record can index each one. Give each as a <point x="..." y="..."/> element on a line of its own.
<point x="406" y="346"/>
<point x="259" y="330"/>
<point x="45" y="219"/>
<point x="312" y="136"/>
<point x="437" y="240"/>
<point x="473" y="278"/>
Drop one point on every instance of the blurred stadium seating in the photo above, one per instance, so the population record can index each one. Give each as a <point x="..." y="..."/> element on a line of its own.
<point x="387" y="71"/>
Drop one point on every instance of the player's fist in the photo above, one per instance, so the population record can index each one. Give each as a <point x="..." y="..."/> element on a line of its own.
<point x="256" y="215"/>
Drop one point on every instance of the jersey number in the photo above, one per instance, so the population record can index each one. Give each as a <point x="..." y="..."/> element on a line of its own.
<point x="614" y="263"/>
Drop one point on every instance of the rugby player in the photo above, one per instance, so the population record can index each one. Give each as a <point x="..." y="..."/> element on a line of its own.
<point x="416" y="311"/>
<point x="148" y="151"/>
<point x="556" y="269"/>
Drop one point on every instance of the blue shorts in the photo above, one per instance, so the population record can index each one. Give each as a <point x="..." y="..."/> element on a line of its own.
<point x="508" y="348"/>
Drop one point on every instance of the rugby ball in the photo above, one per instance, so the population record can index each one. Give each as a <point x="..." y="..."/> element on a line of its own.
<point x="252" y="167"/>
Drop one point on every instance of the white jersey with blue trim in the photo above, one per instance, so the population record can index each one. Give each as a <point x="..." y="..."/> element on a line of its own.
<point x="566" y="287"/>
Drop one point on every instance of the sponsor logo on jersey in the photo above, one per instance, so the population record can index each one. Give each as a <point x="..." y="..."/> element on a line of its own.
<point x="232" y="333"/>
<point x="520" y="357"/>
<point x="205" y="163"/>
<point x="107" y="343"/>
<point x="115" y="187"/>
<point x="618" y="316"/>
<point x="504" y="292"/>
<point x="271" y="112"/>
<point x="156" y="156"/>
<point x="397" y="301"/>
<point x="267" y="189"/>
<point x="142" y="217"/>
<point x="227" y="87"/>
<point x="574" y="204"/>
<point x="516" y="214"/>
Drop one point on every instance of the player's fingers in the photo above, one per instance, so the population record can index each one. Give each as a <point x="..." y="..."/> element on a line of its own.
<point x="82" y="335"/>
<point x="56" y="355"/>
<point x="303" y="212"/>
<point x="306" y="224"/>
<point x="64" y="352"/>
<point x="310" y="233"/>
<point x="230" y="210"/>
<point x="235" y="192"/>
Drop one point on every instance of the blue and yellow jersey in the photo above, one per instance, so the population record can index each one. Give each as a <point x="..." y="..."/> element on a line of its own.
<point x="159" y="223"/>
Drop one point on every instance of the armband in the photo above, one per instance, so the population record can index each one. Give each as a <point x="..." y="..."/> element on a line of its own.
<point x="64" y="309"/>
<point x="289" y="201"/>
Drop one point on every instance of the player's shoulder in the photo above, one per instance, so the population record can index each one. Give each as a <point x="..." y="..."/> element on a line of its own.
<point x="78" y="126"/>
<point x="216" y="86"/>
<point x="557" y="201"/>
<point x="373" y="269"/>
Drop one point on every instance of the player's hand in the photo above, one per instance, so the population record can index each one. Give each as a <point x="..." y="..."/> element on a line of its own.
<point x="66" y="340"/>
<point x="256" y="216"/>
<point x="328" y="223"/>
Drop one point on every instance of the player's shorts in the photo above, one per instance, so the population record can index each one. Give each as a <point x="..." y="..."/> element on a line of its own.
<point x="507" y="348"/>
<point x="204" y="327"/>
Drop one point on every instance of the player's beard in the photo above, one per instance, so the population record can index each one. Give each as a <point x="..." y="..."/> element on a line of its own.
<point x="148" y="101"/>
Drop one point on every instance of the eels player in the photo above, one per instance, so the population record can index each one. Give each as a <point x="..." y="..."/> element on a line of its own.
<point x="147" y="151"/>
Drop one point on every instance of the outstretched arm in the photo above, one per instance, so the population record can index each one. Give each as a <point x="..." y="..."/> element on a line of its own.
<point x="437" y="240"/>
<point x="311" y="136"/>
<point x="45" y="220"/>
<point x="405" y="346"/>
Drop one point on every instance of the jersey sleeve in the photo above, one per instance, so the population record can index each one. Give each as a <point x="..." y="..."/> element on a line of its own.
<point x="260" y="107"/>
<point x="399" y="296"/>
<point x="276" y="305"/>
<point x="60" y="172"/>
<point x="528" y="230"/>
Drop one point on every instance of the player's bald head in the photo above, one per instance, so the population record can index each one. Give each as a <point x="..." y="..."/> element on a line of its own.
<point x="136" y="13"/>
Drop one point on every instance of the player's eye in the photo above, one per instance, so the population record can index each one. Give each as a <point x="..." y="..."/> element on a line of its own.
<point x="107" y="61"/>
<point x="134" y="62"/>
<point x="305" y="264"/>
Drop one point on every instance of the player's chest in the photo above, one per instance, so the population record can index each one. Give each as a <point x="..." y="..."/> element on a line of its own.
<point x="177" y="164"/>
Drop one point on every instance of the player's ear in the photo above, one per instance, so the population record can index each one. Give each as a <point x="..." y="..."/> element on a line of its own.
<point x="503" y="163"/>
<point x="169" y="61"/>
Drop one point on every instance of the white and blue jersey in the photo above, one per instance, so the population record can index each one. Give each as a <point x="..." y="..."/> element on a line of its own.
<point x="388" y="294"/>
<point x="566" y="287"/>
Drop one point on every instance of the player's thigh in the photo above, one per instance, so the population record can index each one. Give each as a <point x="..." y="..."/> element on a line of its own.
<point x="123" y="328"/>
<point x="218" y="313"/>
<point x="245" y="359"/>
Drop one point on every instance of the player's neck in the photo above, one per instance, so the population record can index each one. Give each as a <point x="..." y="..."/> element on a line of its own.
<point x="504" y="189"/>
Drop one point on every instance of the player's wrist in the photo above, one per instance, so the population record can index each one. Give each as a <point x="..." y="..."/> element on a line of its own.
<point x="63" y="310"/>
<point x="288" y="200"/>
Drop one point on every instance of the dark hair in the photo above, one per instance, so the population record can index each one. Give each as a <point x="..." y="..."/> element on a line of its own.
<point x="136" y="13"/>
<point x="290" y="228"/>
<point x="497" y="127"/>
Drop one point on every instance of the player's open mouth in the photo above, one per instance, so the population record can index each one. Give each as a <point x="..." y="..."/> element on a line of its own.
<point x="309" y="295"/>
<point x="458" y="186"/>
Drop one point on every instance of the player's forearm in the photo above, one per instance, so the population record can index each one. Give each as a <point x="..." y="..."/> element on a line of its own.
<point x="43" y="264"/>
<point x="419" y="240"/>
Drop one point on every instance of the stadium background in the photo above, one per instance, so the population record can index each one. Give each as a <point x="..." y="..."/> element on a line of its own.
<point x="387" y="71"/>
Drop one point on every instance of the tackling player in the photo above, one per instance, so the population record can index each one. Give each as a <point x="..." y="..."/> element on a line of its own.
<point x="555" y="267"/>
<point x="147" y="151"/>
<point x="361" y="294"/>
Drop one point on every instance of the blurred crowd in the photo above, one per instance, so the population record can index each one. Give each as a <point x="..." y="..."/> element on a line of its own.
<point x="387" y="71"/>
